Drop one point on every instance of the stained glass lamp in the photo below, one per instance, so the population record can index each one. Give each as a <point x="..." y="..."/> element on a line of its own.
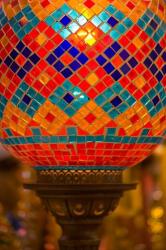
<point x="82" y="97"/>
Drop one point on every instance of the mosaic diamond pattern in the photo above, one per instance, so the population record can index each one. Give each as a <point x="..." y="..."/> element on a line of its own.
<point x="82" y="82"/>
<point x="24" y="22"/>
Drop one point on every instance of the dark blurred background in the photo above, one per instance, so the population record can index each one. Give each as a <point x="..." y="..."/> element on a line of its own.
<point x="139" y="223"/>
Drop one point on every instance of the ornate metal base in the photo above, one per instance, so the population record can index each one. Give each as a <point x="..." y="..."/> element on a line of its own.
<point x="79" y="200"/>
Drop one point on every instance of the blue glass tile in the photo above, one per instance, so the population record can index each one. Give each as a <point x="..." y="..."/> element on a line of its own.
<point x="147" y="62"/>
<point x="34" y="58"/>
<point x="155" y="100"/>
<point x="153" y="68"/>
<point x="28" y="66"/>
<point x="116" y="75"/>
<point x="20" y="46"/>
<point x="116" y="47"/>
<point x="133" y="62"/>
<point x="101" y="60"/>
<point x="26" y="99"/>
<point x="14" y="54"/>
<point x="125" y="68"/>
<point x="65" y="20"/>
<point x="109" y="53"/>
<point x="21" y="73"/>
<point x="58" y="66"/>
<point x="116" y="101"/>
<point x="66" y="73"/>
<point x="153" y="24"/>
<point x="124" y="54"/>
<point x="73" y="52"/>
<point x="112" y="21"/>
<point x="164" y="70"/>
<point x="75" y="65"/>
<point x="82" y="58"/>
<point x="65" y="45"/>
<point x="8" y="61"/>
<point x="109" y="68"/>
<point x="153" y="55"/>
<point x="59" y="51"/>
<point x="51" y="59"/>
<point x="14" y="67"/>
<point x="158" y="49"/>
<point x="26" y="52"/>
<point x="159" y="76"/>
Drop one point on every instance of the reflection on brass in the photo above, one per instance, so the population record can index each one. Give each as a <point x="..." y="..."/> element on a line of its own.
<point x="79" y="209"/>
<point x="72" y="177"/>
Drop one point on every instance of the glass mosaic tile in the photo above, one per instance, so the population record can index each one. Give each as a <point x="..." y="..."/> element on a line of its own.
<point x="82" y="82"/>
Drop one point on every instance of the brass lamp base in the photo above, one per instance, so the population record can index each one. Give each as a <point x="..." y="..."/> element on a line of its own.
<point x="80" y="200"/>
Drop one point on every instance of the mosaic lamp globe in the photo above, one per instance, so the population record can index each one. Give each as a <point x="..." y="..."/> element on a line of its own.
<point x="82" y="97"/>
<point x="82" y="83"/>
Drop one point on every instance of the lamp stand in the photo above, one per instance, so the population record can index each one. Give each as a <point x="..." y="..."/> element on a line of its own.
<point x="80" y="200"/>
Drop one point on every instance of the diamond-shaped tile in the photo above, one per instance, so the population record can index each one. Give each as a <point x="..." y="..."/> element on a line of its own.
<point x="69" y="98"/>
<point x="50" y="117"/>
<point x="91" y="117"/>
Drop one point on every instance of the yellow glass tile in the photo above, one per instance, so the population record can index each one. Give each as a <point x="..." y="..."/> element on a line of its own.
<point x="44" y="78"/>
<point x="22" y="118"/>
<point x="41" y="38"/>
<point x="4" y="81"/>
<point x="92" y="79"/>
<point x="86" y="110"/>
<point x="83" y="112"/>
<point x="58" y="121"/>
<point x="82" y="33"/>
<point x="88" y="14"/>
<point x="90" y="40"/>
<point x="137" y="42"/>
<point x="4" y="41"/>
<point x="97" y="9"/>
